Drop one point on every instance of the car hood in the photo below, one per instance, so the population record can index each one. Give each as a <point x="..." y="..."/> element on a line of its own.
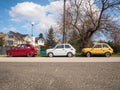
<point x="49" y="49"/>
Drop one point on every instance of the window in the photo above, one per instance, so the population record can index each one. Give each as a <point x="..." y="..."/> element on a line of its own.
<point x="105" y="46"/>
<point x="10" y="36"/>
<point x="27" y="46"/>
<point x="67" y="46"/>
<point x="19" y="46"/>
<point x="22" y="46"/>
<point x="10" y="42"/>
<point x="98" y="46"/>
<point x="60" y="46"/>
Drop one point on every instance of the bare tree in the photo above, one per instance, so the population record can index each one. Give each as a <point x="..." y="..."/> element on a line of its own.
<point x="87" y="17"/>
<point x="115" y="35"/>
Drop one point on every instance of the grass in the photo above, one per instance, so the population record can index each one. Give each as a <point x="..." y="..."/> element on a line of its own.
<point x="116" y="55"/>
<point x="78" y="55"/>
<point x="3" y="55"/>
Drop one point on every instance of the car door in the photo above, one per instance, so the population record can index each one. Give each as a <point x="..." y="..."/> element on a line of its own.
<point x="97" y="49"/>
<point x="59" y="50"/>
<point x="68" y="49"/>
<point x="105" y="48"/>
<point x="22" y="50"/>
<point x="16" y="50"/>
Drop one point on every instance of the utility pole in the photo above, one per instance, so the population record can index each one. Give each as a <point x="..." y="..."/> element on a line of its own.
<point x="64" y="29"/>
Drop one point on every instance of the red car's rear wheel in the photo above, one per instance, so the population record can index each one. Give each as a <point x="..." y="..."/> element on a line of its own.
<point x="9" y="54"/>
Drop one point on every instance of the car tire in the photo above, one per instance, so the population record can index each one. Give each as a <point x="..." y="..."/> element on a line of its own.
<point x="88" y="54"/>
<point x="107" y="54"/>
<point x="29" y="54"/>
<point x="9" y="54"/>
<point x="70" y="54"/>
<point x="50" y="54"/>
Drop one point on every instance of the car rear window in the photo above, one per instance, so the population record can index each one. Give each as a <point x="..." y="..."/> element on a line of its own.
<point x="67" y="46"/>
<point x="60" y="46"/>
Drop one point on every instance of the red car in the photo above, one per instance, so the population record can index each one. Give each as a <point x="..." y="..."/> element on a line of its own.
<point x="22" y="50"/>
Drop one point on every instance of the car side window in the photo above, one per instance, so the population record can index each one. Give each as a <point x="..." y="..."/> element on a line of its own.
<point x="60" y="46"/>
<point x="105" y="46"/>
<point x="27" y="46"/>
<point x="98" y="46"/>
<point x="19" y="46"/>
<point x="22" y="46"/>
<point x="67" y="46"/>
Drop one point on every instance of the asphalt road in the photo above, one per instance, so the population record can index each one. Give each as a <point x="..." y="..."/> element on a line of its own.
<point x="42" y="75"/>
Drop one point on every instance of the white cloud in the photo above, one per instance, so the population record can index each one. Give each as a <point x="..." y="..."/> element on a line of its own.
<point x="11" y="28"/>
<point x="45" y="16"/>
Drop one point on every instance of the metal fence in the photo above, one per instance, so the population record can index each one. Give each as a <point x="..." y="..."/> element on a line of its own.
<point x="3" y="50"/>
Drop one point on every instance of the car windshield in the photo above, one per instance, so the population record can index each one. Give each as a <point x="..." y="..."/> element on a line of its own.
<point x="59" y="46"/>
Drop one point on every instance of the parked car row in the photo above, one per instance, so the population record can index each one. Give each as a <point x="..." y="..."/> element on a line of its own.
<point x="61" y="50"/>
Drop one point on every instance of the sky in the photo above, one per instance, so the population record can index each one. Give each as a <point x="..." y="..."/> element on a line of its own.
<point x="19" y="15"/>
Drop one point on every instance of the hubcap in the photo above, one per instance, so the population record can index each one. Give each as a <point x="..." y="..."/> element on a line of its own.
<point x="50" y="55"/>
<point x="69" y="54"/>
<point x="88" y="55"/>
<point x="107" y="54"/>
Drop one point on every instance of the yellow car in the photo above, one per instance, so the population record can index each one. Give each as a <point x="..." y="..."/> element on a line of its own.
<point x="98" y="49"/>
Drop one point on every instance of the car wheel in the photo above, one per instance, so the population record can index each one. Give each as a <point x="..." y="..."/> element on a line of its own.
<point x="107" y="54"/>
<point x="9" y="54"/>
<point x="29" y="54"/>
<point x="50" y="54"/>
<point x="69" y="54"/>
<point x="88" y="54"/>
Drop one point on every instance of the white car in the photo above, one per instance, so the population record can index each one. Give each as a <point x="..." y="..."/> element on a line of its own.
<point x="61" y="50"/>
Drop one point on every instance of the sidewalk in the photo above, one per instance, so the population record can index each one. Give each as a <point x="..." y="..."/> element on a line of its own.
<point x="59" y="59"/>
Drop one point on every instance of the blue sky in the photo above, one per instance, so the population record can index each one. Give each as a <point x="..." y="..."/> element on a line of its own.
<point x="17" y="15"/>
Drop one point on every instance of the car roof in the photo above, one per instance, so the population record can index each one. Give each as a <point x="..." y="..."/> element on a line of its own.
<point x="100" y="43"/>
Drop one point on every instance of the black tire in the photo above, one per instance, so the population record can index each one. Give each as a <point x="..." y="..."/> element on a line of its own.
<point x="50" y="54"/>
<point x="29" y="54"/>
<point x="9" y="54"/>
<point x="70" y="54"/>
<point x="88" y="54"/>
<point x="107" y="54"/>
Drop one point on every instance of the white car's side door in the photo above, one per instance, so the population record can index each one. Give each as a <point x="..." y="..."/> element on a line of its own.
<point x="59" y="50"/>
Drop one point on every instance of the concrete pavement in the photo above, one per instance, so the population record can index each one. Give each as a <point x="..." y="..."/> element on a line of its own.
<point x="60" y="59"/>
<point x="59" y="75"/>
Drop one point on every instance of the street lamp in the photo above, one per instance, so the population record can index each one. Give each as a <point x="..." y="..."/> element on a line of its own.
<point x="32" y="24"/>
<point x="32" y="28"/>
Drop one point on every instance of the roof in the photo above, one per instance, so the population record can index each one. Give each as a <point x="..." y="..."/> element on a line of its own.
<point x="19" y="36"/>
<point x="2" y="35"/>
